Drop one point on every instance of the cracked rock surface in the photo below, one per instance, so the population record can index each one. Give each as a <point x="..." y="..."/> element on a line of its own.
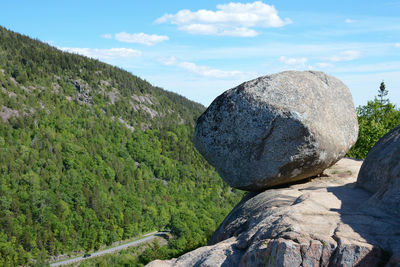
<point x="322" y="222"/>
<point x="277" y="129"/>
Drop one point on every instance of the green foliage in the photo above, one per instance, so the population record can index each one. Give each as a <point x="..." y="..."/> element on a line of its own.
<point x="382" y="92"/>
<point x="75" y="177"/>
<point x="133" y="256"/>
<point x="375" y="120"/>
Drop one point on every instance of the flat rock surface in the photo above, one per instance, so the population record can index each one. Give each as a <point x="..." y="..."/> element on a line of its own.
<point x="322" y="222"/>
<point x="277" y="129"/>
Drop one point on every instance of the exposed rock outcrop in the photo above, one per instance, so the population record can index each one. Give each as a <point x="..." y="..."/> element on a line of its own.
<point x="380" y="173"/>
<point x="7" y="113"/>
<point x="318" y="223"/>
<point x="277" y="129"/>
<point x="83" y="89"/>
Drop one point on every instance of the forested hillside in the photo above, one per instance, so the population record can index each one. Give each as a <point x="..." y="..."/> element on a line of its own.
<point x="91" y="154"/>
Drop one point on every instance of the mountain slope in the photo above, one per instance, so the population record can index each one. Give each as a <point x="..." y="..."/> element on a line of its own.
<point x="43" y="69"/>
<point x="91" y="154"/>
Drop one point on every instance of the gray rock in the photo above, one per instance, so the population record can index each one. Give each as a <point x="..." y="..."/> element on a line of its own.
<point x="380" y="172"/>
<point x="277" y="129"/>
<point x="224" y="254"/>
<point x="318" y="223"/>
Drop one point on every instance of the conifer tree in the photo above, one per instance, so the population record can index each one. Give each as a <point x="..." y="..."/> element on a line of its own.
<point x="382" y="92"/>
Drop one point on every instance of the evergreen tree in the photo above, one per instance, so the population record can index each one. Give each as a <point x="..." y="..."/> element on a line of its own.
<point x="382" y="92"/>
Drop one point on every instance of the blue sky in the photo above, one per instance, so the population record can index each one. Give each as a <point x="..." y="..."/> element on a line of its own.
<point x="202" y="48"/>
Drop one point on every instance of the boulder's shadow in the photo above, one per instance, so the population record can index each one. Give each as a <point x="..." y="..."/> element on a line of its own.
<point x="375" y="226"/>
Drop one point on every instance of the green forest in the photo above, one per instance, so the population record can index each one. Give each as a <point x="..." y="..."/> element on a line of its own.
<point x="91" y="154"/>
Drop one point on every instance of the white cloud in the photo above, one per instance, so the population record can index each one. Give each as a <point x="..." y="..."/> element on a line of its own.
<point x="323" y="65"/>
<point x="293" y="60"/>
<point x="200" y="29"/>
<point x="347" y="55"/>
<point x="350" y="21"/>
<point x="140" y="38"/>
<point x="106" y="36"/>
<point x="207" y="29"/>
<point x="239" y="32"/>
<point x="104" y="54"/>
<point x="233" y="19"/>
<point x="199" y="69"/>
<point x="397" y="44"/>
<point x="168" y="61"/>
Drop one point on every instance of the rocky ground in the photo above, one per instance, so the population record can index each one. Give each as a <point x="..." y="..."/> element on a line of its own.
<point x="321" y="222"/>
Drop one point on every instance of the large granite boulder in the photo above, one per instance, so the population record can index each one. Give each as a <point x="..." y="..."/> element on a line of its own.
<point x="277" y="129"/>
<point x="318" y="223"/>
<point x="380" y="172"/>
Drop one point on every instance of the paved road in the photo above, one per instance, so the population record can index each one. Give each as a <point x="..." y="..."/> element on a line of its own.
<point x="146" y="238"/>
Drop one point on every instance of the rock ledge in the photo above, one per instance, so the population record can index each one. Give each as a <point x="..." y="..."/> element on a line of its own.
<point x="319" y="223"/>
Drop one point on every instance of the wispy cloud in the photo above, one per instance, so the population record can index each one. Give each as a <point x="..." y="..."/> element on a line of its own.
<point x="350" y="20"/>
<point x="323" y="65"/>
<point x="104" y="54"/>
<point x="313" y="52"/>
<point x="200" y="69"/>
<point x="345" y="56"/>
<point x="369" y="68"/>
<point x="233" y="19"/>
<point x="140" y="38"/>
<point x="106" y="36"/>
<point x="397" y="44"/>
<point x="293" y="61"/>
